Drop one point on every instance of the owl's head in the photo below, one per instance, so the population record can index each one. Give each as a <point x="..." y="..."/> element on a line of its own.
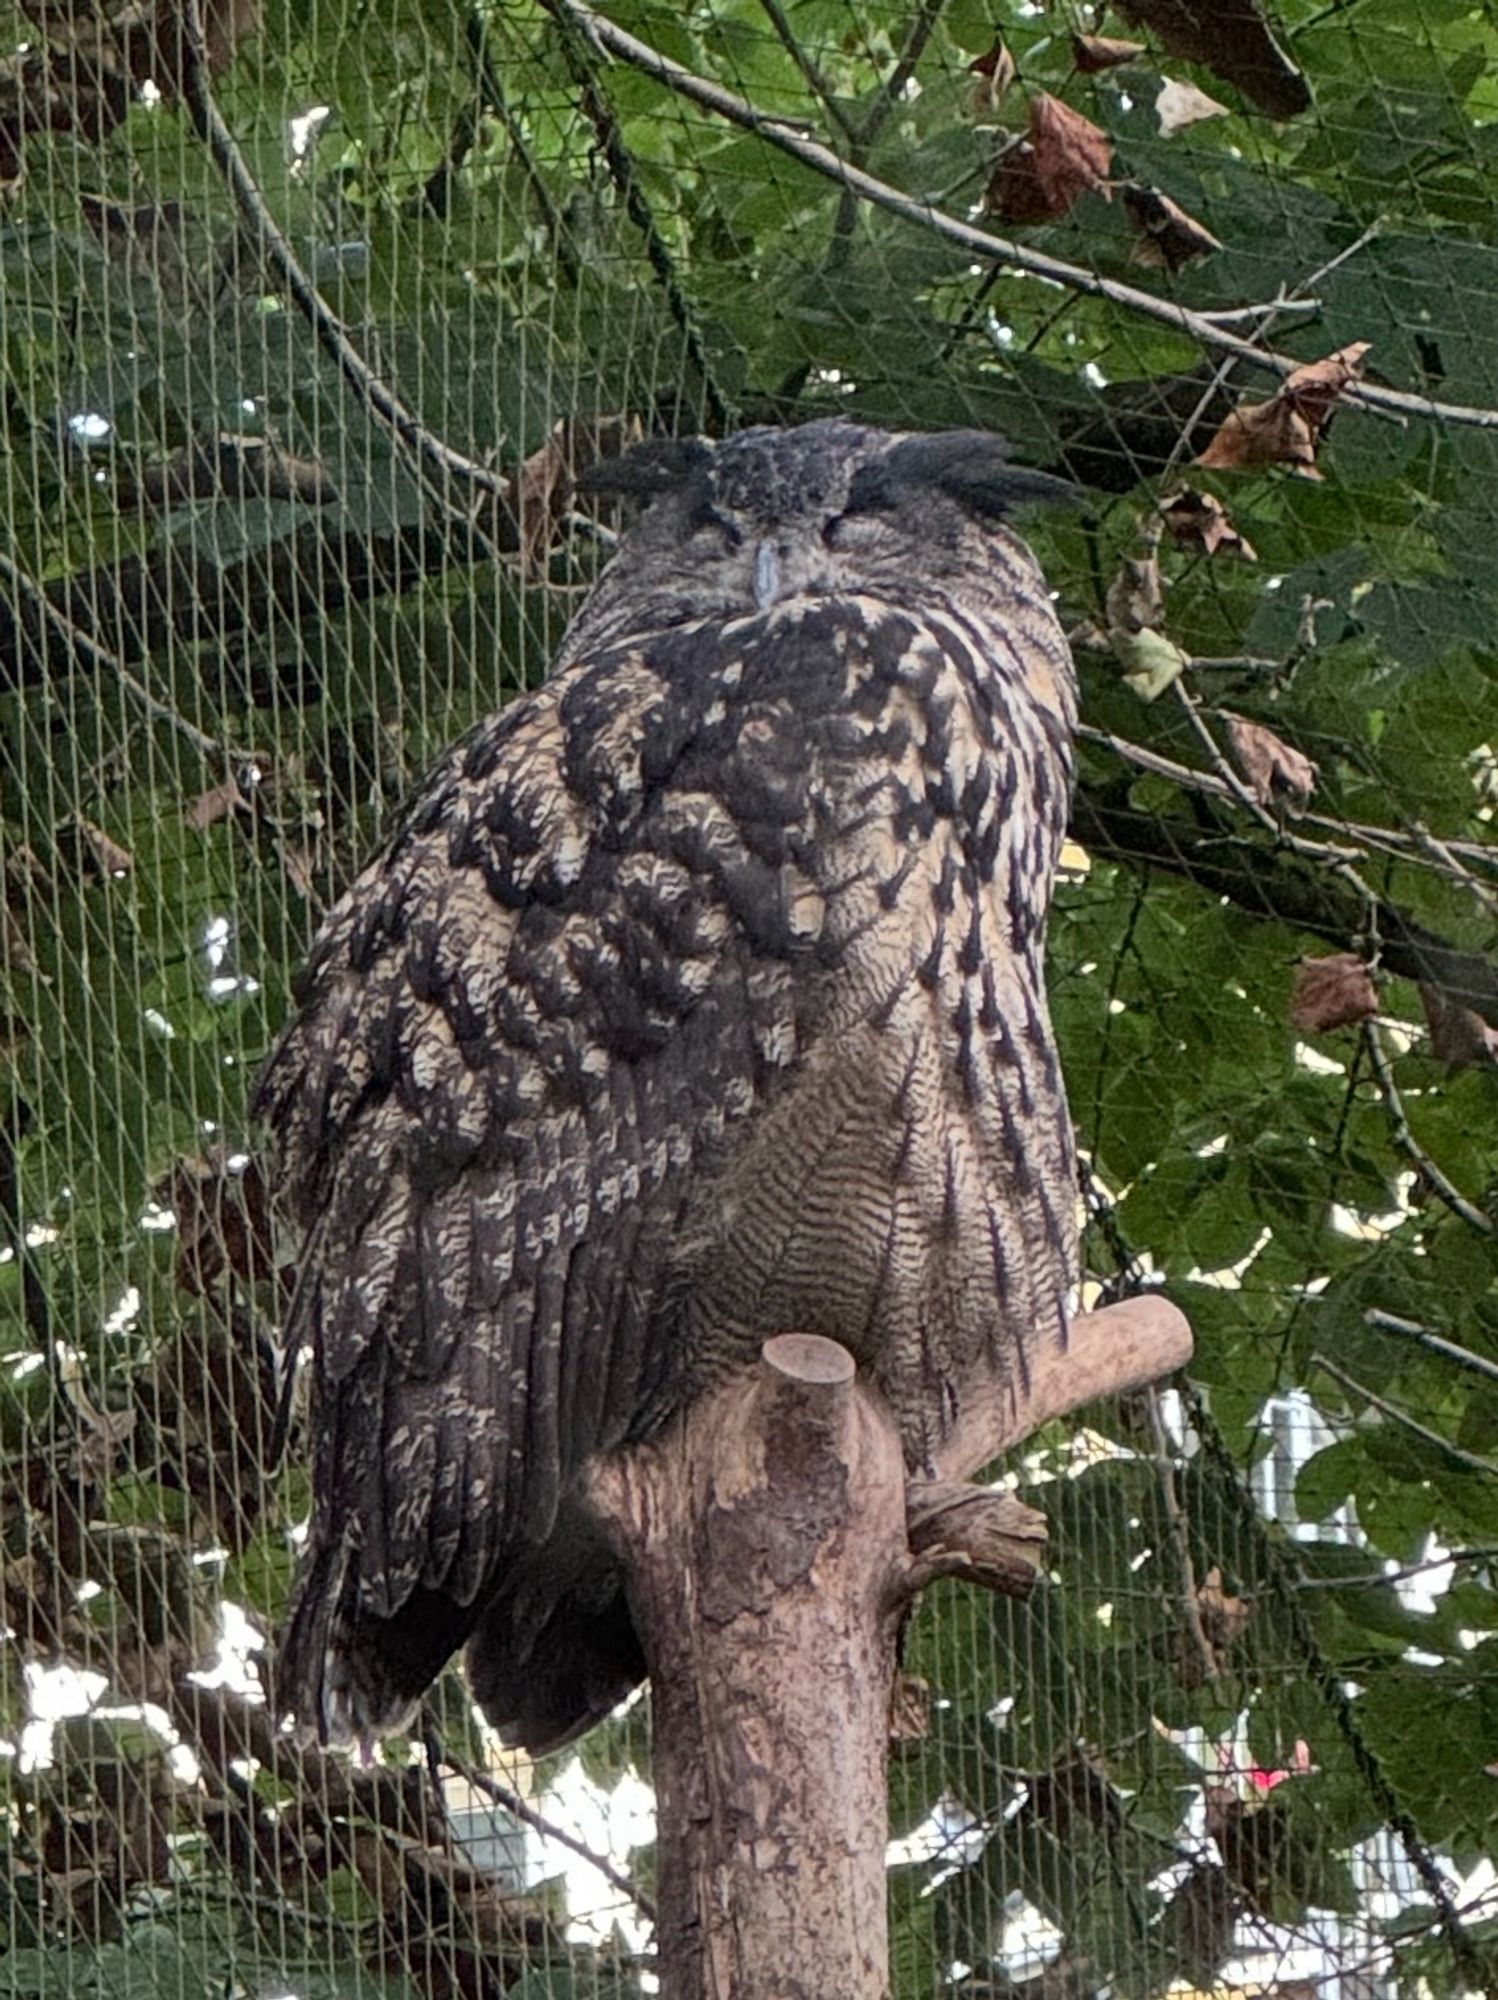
<point x="731" y="528"/>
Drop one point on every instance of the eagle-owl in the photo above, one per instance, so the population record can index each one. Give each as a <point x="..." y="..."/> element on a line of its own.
<point x="698" y="996"/>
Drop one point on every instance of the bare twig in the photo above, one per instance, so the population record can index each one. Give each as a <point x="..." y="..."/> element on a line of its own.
<point x="1442" y="1188"/>
<point x="1372" y="1579"/>
<point x="810" y="70"/>
<point x="1306" y="897"/>
<point x="1275" y="310"/>
<point x="1237" y="315"/>
<point x="523" y="1810"/>
<point x="1322" y="271"/>
<point x="1449" y="1350"/>
<point x="1339" y="859"/>
<point x="489" y="92"/>
<point x="913" y="47"/>
<point x="404" y="425"/>
<point x="1286" y="1577"/>
<point x="85" y="645"/>
<point x="1180" y="1537"/>
<point x="1201" y="327"/>
<point x="579" y="40"/>
<point x="1452" y="865"/>
<point x="1469" y="1459"/>
<point x="1388" y="840"/>
<point x="1234" y="663"/>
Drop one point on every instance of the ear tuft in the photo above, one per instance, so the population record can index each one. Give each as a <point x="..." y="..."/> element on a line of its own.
<point x="659" y="465"/>
<point x="970" y="467"/>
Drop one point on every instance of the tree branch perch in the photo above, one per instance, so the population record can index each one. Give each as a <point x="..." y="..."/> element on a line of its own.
<point x="772" y="1542"/>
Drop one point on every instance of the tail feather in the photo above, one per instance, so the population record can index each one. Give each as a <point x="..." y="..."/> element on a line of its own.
<point x="549" y="1654"/>
<point x="345" y="1676"/>
<point x="556" y="1649"/>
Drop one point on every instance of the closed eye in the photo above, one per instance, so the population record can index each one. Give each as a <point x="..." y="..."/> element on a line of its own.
<point x="725" y="532"/>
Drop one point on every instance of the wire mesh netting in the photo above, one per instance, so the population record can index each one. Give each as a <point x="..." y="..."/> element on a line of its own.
<point x="313" y="315"/>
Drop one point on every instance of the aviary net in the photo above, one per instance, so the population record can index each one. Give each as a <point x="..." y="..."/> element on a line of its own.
<point x="313" y="313"/>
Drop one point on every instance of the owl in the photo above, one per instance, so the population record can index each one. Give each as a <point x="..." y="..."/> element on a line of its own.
<point x="697" y="996"/>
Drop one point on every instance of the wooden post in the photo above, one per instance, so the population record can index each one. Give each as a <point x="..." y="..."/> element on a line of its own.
<point x="772" y="1544"/>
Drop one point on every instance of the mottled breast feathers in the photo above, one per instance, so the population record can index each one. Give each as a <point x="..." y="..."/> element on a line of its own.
<point x="697" y="995"/>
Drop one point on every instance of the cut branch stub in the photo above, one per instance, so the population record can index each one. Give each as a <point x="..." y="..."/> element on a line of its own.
<point x="971" y="1532"/>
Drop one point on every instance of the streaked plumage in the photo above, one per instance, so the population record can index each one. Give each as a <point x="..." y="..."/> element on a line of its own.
<point x="697" y="996"/>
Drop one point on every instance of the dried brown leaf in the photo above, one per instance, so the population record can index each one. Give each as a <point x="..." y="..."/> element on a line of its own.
<point x="15" y="948"/>
<point x="1224" y="1616"/>
<point x="528" y="518"/>
<point x="542" y="494"/>
<point x="211" y="806"/>
<point x="909" y="1710"/>
<point x="1232" y="38"/>
<point x="1181" y="104"/>
<point x="80" y="70"/>
<point x="1334" y="992"/>
<point x="1200" y="521"/>
<point x="297" y="865"/>
<point x="94" y="852"/>
<point x="1092" y="53"/>
<point x="223" y="1222"/>
<point x="1272" y="433"/>
<point x="1459" y="1037"/>
<point x="1287" y="429"/>
<point x="1064" y="157"/>
<point x="992" y="75"/>
<point x="1276" y="773"/>
<point x="1135" y="600"/>
<point x="1167" y="236"/>
<point x="1314" y="389"/>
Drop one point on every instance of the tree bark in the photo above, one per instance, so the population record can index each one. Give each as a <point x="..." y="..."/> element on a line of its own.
<point x="766" y="1538"/>
<point x="773" y="1543"/>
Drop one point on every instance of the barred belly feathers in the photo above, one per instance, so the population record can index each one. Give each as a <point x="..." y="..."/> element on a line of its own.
<point x="697" y="996"/>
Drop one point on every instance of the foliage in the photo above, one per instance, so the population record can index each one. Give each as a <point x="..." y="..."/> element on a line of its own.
<point x="241" y="610"/>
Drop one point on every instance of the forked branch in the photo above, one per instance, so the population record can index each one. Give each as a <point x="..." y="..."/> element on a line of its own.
<point x="773" y="1542"/>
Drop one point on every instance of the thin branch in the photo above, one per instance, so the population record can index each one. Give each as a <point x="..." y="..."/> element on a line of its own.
<point x="521" y="1809"/>
<point x="811" y="73"/>
<point x="1449" y="1350"/>
<point x="1339" y="859"/>
<point x="1180" y="1536"/>
<point x="1234" y="663"/>
<point x="1467" y="1459"/>
<point x="578" y="37"/>
<point x="1410" y="1146"/>
<point x="177" y="592"/>
<point x="1235" y="315"/>
<point x="1360" y="242"/>
<point x="1286" y="302"/>
<point x="1451" y="865"/>
<point x="489" y="93"/>
<point x="1374" y="1578"/>
<point x="382" y="402"/>
<point x="917" y="35"/>
<point x="1388" y="840"/>
<point x="780" y="133"/>
<point x="1286" y="1577"/>
<point x="84" y="644"/>
<point x="1279" y="887"/>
